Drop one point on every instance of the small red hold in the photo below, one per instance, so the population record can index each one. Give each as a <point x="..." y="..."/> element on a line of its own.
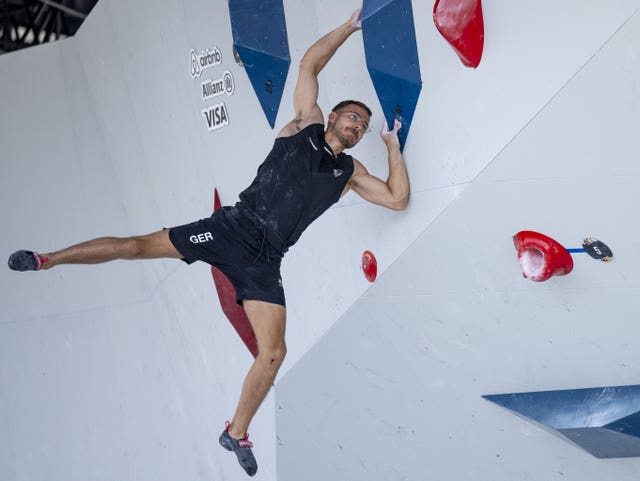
<point x="541" y="257"/>
<point x="460" y="22"/>
<point x="369" y="266"/>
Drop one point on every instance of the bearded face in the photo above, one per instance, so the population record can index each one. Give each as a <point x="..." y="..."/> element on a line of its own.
<point x="349" y="125"/>
<point x="347" y="136"/>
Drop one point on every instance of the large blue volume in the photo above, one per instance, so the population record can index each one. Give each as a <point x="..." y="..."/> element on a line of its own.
<point x="260" y="38"/>
<point x="390" y="48"/>
<point x="605" y="421"/>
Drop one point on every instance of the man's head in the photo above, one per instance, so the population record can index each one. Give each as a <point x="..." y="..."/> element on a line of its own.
<point x="348" y="122"/>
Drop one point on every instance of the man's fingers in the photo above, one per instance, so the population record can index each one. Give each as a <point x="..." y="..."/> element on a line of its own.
<point x="356" y="19"/>
<point x="397" y="125"/>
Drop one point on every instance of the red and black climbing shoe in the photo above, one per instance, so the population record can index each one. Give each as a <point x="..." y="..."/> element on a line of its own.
<point x="26" y="261"/>
<point x="242" y="448"/>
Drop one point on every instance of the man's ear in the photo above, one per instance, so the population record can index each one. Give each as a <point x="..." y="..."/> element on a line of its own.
<point x="332" y="117"/>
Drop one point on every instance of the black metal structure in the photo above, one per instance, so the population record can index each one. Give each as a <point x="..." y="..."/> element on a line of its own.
<point x="24" y="23"/>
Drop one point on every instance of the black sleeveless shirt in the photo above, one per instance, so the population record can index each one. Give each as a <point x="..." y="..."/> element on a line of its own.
<point x="299" y="180"/>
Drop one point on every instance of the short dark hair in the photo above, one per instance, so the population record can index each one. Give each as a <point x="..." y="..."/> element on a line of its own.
<point x="344" y="103"/>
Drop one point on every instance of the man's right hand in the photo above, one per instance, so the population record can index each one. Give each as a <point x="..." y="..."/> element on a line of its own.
<point x="355" y="20"/>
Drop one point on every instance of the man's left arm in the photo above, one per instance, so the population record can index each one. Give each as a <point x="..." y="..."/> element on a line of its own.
<point x="394" y="193"/>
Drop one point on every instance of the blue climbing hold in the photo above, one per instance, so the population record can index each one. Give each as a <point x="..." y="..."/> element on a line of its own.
<point x="260" y="38"/>
<point x="605" y="421"/>
<point x="391" y="52"/>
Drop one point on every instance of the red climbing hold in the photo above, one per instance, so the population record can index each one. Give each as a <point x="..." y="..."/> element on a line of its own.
<point x="460" y="22"/>
<point x="540" y="256"/>
<point x="369" y="266"/>
<point x="216" y="200"/>
<point x="227" y="296"/>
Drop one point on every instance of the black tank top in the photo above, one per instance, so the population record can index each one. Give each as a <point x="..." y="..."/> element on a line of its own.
<point x="299" y="180"/>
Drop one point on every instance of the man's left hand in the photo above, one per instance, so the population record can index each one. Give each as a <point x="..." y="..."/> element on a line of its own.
<point x="390" y="137"/>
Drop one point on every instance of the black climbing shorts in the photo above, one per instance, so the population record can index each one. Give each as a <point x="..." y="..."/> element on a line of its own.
<point x="235" y="244"/>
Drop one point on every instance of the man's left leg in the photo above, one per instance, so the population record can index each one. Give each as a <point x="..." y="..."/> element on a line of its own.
<point x="268" y="321"/>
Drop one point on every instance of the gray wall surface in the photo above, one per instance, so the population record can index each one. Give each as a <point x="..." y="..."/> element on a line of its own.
<point x="393" y="390"/>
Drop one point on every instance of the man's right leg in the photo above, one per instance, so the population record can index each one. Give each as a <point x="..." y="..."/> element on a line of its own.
<point x="104" y="249"/>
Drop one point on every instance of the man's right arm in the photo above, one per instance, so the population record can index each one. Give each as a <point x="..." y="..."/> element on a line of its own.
<point x="305" y="98"/>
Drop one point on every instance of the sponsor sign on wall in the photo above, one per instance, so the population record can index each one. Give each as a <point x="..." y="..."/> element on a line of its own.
<point x="214" y="85"/>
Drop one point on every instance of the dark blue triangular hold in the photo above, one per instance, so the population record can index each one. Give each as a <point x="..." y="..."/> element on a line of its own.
<point x="605" y="421"/>
<point x="390" y="48"/>
<point x="629" y="425"/>
<point x="260" y="38"/>
<point x="267" y="75"/>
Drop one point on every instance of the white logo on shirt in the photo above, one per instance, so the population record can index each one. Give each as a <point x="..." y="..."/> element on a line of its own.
<point x="337" y="172"/>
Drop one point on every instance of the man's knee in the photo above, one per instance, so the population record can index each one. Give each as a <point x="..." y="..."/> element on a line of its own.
<point x="152" y="246"/>
<point x="273" y="355"/>
<point x="134" y="247"/>
<point x="268" y="322"/>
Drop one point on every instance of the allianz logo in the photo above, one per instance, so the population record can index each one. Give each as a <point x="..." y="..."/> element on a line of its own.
<point x="215" y="87"/>
<point x="204" y="60"/>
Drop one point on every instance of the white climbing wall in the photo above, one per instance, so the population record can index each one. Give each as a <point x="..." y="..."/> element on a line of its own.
<point x="129" y="370"/>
